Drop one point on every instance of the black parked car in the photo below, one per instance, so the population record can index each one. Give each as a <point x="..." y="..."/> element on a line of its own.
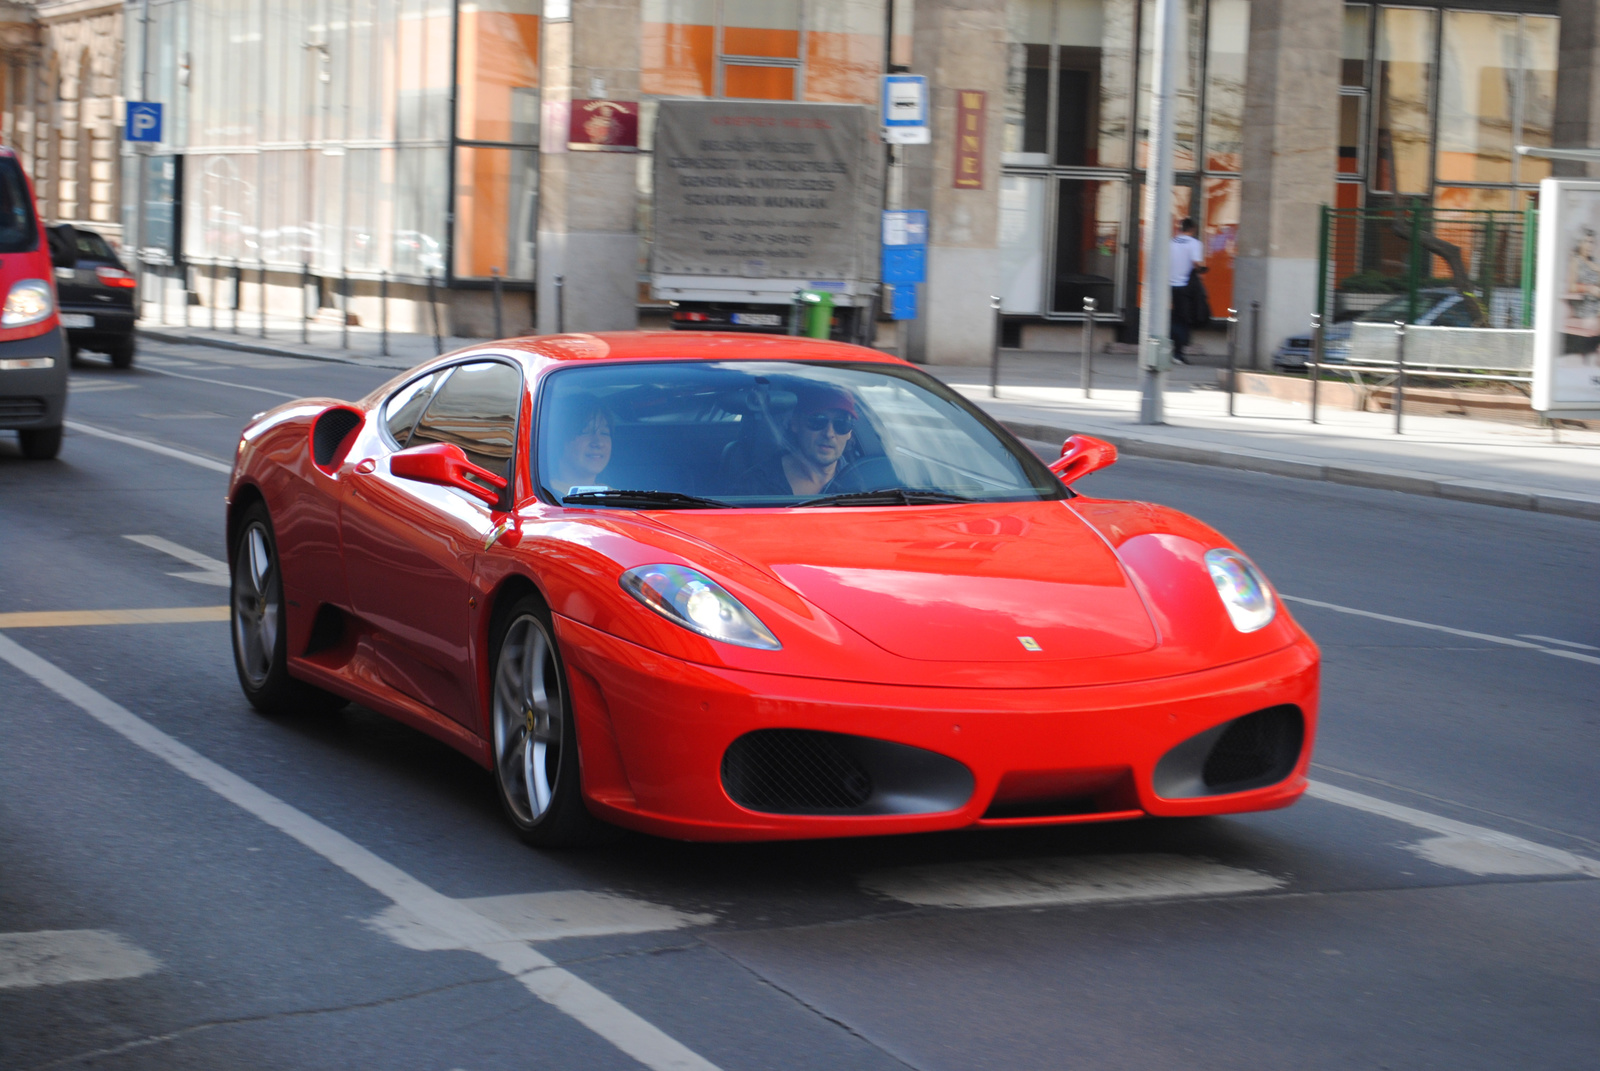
<point x="95" y="293"/>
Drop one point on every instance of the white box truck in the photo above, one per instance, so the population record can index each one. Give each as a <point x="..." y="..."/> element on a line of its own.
<point x="754" y="200"/>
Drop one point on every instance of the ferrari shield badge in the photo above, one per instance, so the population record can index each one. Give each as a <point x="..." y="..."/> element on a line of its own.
<point x="1029" y="643"/>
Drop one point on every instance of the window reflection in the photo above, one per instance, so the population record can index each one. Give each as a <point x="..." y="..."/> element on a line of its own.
<point x="1405" y="74"/>
<point x="1477" y="84"/>
<point x="1186" y="91"/>
<point x="1228" y="44"/>
<point x="1089" y="217"/>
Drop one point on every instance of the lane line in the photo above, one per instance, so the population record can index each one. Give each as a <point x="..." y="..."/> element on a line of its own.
<point x="1563" y="643"/>
<point x="224" y="383"/>
<point x="1505" y="641"/>
<point x="154" y="448"/>
<point x="1562" y="861"/>
<point x="211" y="571"/>
<point x="176" y="615"/>
<point x="55" y="957"/>
<point x="539" y="974"/>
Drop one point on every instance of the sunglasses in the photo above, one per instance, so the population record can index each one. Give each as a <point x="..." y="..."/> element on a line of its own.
<point x="843" y="423"/>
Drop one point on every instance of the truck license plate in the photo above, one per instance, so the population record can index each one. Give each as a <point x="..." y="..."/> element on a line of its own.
<point x="757" y="319"/>
<point x="76" y="319"/>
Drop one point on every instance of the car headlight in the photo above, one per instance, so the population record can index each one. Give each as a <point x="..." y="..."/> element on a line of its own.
<point x="1242" y="588"/>
<point x="698" y="603"/>
<point x="29" y="302"/>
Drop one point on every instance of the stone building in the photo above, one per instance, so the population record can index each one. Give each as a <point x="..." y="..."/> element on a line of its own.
<point x="61" y="105"/>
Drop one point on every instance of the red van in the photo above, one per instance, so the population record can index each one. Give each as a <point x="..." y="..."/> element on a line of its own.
<point x="33" y="359"/>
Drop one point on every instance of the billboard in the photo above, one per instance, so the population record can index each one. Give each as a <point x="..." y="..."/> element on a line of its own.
<point x="1566" y="346"/>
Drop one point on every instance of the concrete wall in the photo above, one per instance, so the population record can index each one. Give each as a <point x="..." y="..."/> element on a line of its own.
<point x="588" y="231"/>
<point x="958" y="44"/>
<point x="1291" y="128"/>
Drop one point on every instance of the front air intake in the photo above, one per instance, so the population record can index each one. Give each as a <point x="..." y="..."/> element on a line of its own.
<point x="329" y="435"/>
<point x="1249" y="752"/>
<point x="803" y="771"/>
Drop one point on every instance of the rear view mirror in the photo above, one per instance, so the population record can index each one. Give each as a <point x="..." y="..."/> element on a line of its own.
<point x="1081" y="455"/>
<point x="446" y="465"/>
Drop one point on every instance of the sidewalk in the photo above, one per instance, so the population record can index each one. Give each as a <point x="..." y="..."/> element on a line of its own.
<point x="1499" y="464"/>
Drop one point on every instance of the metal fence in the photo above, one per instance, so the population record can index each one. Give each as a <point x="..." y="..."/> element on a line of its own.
<point x="1420" y="264"/>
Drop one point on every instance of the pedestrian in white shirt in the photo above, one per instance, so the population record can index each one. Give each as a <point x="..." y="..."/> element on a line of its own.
<point x="1188" y="259"/>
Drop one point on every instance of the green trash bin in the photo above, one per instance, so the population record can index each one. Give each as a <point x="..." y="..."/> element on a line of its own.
<point x="818" y="311"/>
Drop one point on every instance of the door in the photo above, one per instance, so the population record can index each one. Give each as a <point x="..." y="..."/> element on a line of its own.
<point x="411" y="548"/>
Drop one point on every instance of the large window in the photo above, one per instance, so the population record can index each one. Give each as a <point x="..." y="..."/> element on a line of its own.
<point x="1077" y="131"/>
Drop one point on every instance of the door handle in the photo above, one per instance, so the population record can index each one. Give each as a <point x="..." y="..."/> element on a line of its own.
<point x="366" y="467"/>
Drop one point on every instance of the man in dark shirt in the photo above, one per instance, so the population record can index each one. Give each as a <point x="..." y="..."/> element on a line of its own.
<point x="820" y="428"/>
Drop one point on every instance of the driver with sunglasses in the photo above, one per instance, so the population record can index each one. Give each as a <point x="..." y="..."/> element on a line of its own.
<point x="820" y="428"/>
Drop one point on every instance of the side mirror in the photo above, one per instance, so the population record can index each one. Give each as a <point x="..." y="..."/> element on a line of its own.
<point x="1081" y="455"/>
<point x="446" y="464"/>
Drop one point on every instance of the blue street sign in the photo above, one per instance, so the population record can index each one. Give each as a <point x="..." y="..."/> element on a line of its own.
<point x="905" y="100"/>
<point x="143" y="121"/>
<point x="903" y="304"/>
<point x="905" y="246"/>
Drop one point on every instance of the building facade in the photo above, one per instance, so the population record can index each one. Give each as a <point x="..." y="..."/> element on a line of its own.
<point x="332" y="147"/>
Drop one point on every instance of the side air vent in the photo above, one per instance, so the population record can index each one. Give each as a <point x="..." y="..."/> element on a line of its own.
<point x="328" y="436"/>
<point x="801" y="771"/>
<point x="1252" y="751"/>
<point x="21" y="408"/>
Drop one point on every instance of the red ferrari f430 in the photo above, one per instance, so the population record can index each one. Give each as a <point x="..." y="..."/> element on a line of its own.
<point x="736" y="587"/>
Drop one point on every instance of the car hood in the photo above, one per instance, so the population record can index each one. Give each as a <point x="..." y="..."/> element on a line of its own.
<point x="1007" y="582"/>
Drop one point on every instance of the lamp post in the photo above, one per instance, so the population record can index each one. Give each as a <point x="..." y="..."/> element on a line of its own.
<point x="1155" y="347"/>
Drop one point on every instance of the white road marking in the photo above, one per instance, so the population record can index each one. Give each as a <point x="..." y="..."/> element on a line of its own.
<point x="154" y="448"/>
<point x="546" y="916"/>
<point x="1088" y="879"/>
<point x="95" y="386"/>
<point x="1462" y="845"/>
<point x="1505" y="641"/>
<point x="55" y="957"/>
<point x="225" y="383"/>
<point x="211" y="571"/>
<point x="1563" y="643"/>
<point x="468" y="928"/>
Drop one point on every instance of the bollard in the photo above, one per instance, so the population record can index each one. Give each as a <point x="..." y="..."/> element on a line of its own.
<point x="236" y="294"/>
<point x="796" y="310"/>
<point x="1255" y="335"/>
<point x="1086" y="368"/>
<point x="433" y="307"/>
<point x="994" y="349"/>
<point x="1233" y="356"/>
<point x="383" y="313"/>
<point x="186" y="292"/>
<point x="499" y="331"/>
<point x="163" y="297"/>
<point x="561" y="304"/>
<point x="305" y="319"/>
<point x="263" y="273"/>
<point x="1400" y="374"/>
<point x="1316" y="361"/>
<point x="344" y="309"/>
<point x="214" y="296"/>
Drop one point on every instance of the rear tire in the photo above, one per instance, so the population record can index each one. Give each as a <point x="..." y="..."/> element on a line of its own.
<point x="40" y="444"/>
<point x="121" y="353"/>
<point x="535" y="744"/>
<point x="260" y="629"/>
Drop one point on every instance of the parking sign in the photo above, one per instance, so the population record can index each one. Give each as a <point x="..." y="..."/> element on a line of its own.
<point x="143" y="121"/>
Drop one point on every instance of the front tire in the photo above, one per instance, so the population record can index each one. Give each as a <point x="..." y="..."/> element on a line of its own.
<point x="261" y="629"/>
<point x="535" y="745"/>
<point x="121" y="353"/>
<point x="40" y="444"/>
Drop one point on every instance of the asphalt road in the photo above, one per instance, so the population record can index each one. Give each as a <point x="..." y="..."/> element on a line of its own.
<point x="185" y="884"/>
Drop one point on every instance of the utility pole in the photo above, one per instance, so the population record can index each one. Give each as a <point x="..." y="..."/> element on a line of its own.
<point x="1155" y="347"/>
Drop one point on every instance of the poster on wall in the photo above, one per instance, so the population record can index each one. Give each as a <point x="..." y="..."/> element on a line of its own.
<point x="1566" y="341"/>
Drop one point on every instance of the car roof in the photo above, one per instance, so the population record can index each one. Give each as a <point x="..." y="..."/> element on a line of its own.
<point x="689" y="346"/>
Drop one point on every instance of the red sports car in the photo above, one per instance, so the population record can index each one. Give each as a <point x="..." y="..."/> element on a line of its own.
<point x="734" y="587"/>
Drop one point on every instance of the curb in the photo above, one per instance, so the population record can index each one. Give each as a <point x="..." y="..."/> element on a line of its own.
<point x="1579" y="506"/>
<point x="241" y="346"/>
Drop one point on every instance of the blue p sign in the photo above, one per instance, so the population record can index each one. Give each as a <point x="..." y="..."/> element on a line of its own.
<point x="143" y="121"/>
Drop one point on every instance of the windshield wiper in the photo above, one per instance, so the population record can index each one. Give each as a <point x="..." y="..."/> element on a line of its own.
<point x="641" y="499"/>
<point x="888" y="496"/>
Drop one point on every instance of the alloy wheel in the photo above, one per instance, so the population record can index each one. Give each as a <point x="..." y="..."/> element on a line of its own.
<point x="255" y="605"/>
<point x="527" y="719"/>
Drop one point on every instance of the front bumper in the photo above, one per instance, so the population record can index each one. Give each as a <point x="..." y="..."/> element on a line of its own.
<point x="655" y="730"/>
<point x="33" y="397"/>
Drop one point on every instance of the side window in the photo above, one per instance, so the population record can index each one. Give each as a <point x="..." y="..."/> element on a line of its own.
<point x="476" y="409"/>
<point x="405" y="405"/>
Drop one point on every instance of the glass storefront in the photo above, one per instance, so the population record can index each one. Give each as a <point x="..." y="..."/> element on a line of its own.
<point x="1433" y="103"/>
<point x="1076" y="133"/>
<point x="318" y="133"/>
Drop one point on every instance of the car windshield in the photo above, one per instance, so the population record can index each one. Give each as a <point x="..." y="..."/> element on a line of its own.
<point x="19" y="232"/>
<point x="697" y="435"/>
